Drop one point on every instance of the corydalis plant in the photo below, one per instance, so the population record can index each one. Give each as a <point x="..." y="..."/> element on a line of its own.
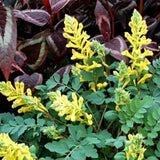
<point x="139" y="62"/>
<point x="134" y="147"/>
<point x="11" y="150"/>
<point x="79" y="41"/>
<point x="21" y="99"/>
<point x="74" y="110"/>
<point x="89" y="59"/>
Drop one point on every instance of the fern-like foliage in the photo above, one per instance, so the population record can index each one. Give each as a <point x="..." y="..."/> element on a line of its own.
<point x="134" y="113"/>
<point x="20" y="98"/>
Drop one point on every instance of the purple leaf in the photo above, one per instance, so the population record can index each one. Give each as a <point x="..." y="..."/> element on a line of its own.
<point x="35" y="49"/>
<point x="151" y="23"/>
<point x="30" y="81"/>
<point x="102" y="19"/>
<point x="121" y="9"/>
<point x="8" y="40"/>
<point x="57" y="5"/>
<point x="99" y="38"/>
<point x="57" y="45"/>
<point x="20" y="58"/>
<point x="116" y="46"/>
<point x="36" y="16"/>
<point x="153" y="46"/>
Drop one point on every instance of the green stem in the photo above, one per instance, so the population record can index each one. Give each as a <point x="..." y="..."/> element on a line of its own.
<point x="99" y="125"/>
<point x="92" y="113"/>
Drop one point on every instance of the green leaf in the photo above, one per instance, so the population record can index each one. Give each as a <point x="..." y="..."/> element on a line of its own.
<point x="19" y="120"/>
<point x="58" y="147"/>
<point x="120" y="156"/>
<point x="149" y="142"/>
<point x="50" y="83"/>
<point x="91" y="140"/>
<point x="77" y="131"/>
<point x="41" y="122"/>
<point x="21" y="130"/>
<point x="89" y="151"/>
<point x="56" y="77"/>
<point x="129" y="123"/>
<point x="97" y="98"/>
<point x="46" y="158"/>
<point x="158" y="146"/>
<point x="118" y="144"/>
<point x="76" y="84"/>
<point x="29" y="121"/>
<point x="152" y="158"/>
<point x="65" y="79"/>
<point x="111" y="115"/>
<point x="155" y="114"/>
<point x="125" y="129"/>
<point x="153" y="134"/>
<point x="78" y="154"/>
<point x="6" y="128"/>
<point x="142" y="131"/>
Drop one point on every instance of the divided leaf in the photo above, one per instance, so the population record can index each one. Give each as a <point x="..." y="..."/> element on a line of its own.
<point x="134" y="113"/>
<point x="8" y="40"/>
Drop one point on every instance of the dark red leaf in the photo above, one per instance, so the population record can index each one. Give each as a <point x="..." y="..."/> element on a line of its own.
<point x="151" y="22"/>
<point x="153" y="46"/>
<point x="47" y="5"/>
<point x="57" y="44"/>
<point x="35" y="49"/>
<point x="99" y="38"/>
<point x="57" y="5"/>
<point x="116" y="46"/>
<point x="102" y="19"/>
<point x="8" y="40"/>
<point x="20" y="58"/>
<point x="36" y="16"/>
<point x="15" y="67"/>
<point x="121" y="8"/>
<point x="30" y="81"/>
<point x="65" y="69"/>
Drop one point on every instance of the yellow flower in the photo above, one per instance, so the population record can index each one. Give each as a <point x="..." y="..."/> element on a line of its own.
<point x="78" y="39"/>
<point x="143" y="79"/>
<point x="10" y="150"/>
<point x="134" y="147"/>
<point x="122" y="98"/>
<point x="93" y="87"/>
<point x="101" y="85"/>
<point x="25" y="100"/>
<point x="88" y="67"/>
<point x="73" y="110"/>
<point x="139" y="62"/>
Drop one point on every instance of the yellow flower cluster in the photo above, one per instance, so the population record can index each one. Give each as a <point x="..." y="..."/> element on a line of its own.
<point x="52" y="132"/>
<point x="139" y="62"/>
<point x="124" y="74"/>
<point x="98" y="86"/>
<point x="134" y="147"/>
<point x="25" y="100"/>
<point x="10" y="150"/>
<point x="121" y="98"/>
<point x="79" y="41"/>
<point x="73" y="110"/>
